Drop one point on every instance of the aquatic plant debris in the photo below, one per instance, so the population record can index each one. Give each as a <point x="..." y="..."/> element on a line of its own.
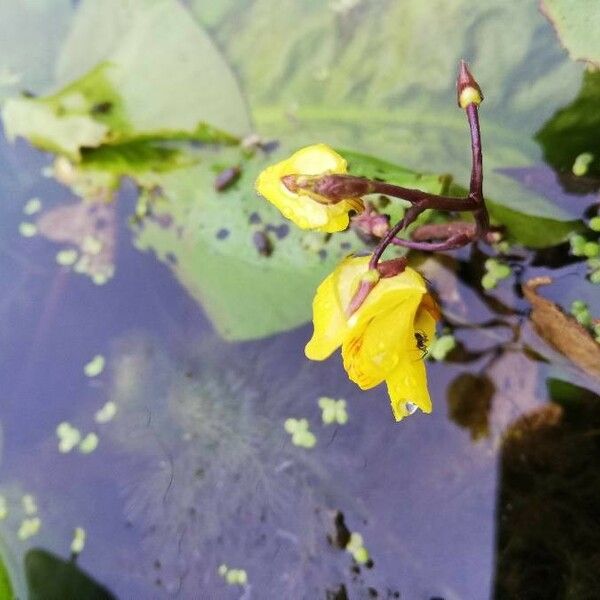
<point x="29" y="504"/>
<point x="562" y="331"/>
<point x="333" y="411"/>
<point x="233" y="576"/>
<point x="106" y="413"/>
<point x="88" y="228"/>
<point x="68" y="437"/>
<point x="78" y="541"/>
<point x="89" y="443"/>
<point x="299" y="430"/>
<point x="95" y="366"/>
<point x="29" y="527"/>
<point x="32" y="206"/>
<point x="442" y="346"/>
<point x="582" y="163"/>
<point x="27" y="229"/>
<point x="495" y="272"/>
<point x="67" y="257"/>
<point x="356" y="548"/>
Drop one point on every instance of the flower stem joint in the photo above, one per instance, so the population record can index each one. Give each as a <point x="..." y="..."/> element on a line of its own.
<point x="379" y="312"/>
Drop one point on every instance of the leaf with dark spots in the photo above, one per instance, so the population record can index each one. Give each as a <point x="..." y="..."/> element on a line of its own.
<point x="562" y="331"/>
<point x="469" y="403"/>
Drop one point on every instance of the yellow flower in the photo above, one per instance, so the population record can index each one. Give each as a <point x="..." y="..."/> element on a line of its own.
<point x="383" y="340"/>
<point x="304" y="207"/>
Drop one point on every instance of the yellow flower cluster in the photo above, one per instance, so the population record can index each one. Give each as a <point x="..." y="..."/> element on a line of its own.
<point x="380" y="341"/>
<point x="385" y="338"/>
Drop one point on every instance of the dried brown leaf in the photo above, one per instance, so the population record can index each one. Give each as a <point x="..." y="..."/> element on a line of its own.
<point x="561" y="331"/>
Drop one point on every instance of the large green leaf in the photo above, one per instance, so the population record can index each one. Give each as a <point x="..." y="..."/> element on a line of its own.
<point x="577" y="23"/>
<point x="208" y="239"/>
<point x="30" y="36"/>
<point x="162" y="79"/>
<point x="379" y="77"/>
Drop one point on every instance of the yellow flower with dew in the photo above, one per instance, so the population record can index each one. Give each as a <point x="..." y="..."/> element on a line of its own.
<point x="305" y="207"/>
<point x="383" y="340"/>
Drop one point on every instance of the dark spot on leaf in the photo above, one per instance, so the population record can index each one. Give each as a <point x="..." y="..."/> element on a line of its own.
<point x="262" y="243"/>
<point x="269" y="147"/>
<point x="345" y="245"/>
<point x="226" y="178"/>
<point x="254" y="219"/>
<point x="164" y="221"/>
<point x="102" y="108"/>
<point x="222" y="234"/>
<point x="281" y="231"/>
<point x="322" y="254"/>
<point x="171" y="258"/>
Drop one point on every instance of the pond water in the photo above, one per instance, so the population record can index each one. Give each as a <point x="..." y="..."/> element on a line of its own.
<point x="176" y="374"/>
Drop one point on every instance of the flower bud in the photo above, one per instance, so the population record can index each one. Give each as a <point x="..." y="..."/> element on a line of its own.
<point x="467" y="89"/>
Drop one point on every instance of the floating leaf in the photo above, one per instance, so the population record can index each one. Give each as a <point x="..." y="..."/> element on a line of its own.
<point x="89" y="443"/>
<point x="356" y="78"/>
<point x="95" y="366"/>
<point x="574" y="131"/>
<point x="126" y="95"/>
<point x="31" y="34"/>
<point x="577" y="23"/>
<point x="52" y="578"/>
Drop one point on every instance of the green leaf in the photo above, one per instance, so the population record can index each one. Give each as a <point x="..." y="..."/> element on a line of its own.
<point x="168" y="71"/>
<point x="210" y="244"/>
<point x="577" y="23"/>
<point x="6" y="589"/>
<point x="30" y="37"/>
<point x="163" y="81"/>
<point x="573" y="131"/>
<point x="367" y="76"/>
<point x="52" y="578"/>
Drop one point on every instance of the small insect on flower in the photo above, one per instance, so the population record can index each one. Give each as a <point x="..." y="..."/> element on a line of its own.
<point x="378" y="338"/>
<point x="422" y="340"/>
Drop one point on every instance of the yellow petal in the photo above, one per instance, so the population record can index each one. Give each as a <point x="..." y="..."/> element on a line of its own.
<point x="329" y="307"/>
<point x="329" y="321"/>
<point x="303" y="210"/>
<point x="408" y="384"/>
<point x="376" y="343"/>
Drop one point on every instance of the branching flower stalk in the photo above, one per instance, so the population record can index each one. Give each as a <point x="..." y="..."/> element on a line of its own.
<point x="379" y="312"/>
<point x="451" y="235"/>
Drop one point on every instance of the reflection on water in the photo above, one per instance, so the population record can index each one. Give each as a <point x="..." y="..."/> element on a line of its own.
<point x="195" y="477"/>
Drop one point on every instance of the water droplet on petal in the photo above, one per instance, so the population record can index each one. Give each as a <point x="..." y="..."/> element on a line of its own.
<point x="410" y="408"/>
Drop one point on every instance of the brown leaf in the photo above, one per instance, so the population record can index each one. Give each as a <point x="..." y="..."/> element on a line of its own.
<point x="561" y="331"/>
